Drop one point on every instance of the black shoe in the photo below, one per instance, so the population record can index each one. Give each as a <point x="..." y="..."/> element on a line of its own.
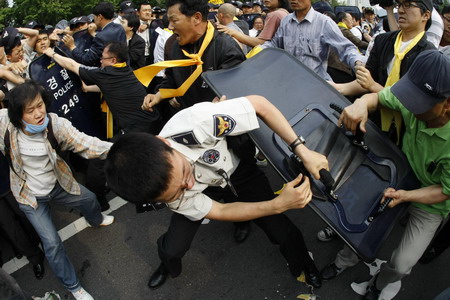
<point x="39" y="270"/>
<point x="241" y="232"/>
<point x="429" y="255"/>
<point x="158" y="278"/>
<point x="312" y="276"/>
<point x="330" y="271"/>
<point x="372" y="292"/>
<point x="104" y="204"/>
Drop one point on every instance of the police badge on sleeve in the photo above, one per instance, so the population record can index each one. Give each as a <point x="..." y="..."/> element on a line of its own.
<point x="223" y="125"/>
<point x="211" y="156"/>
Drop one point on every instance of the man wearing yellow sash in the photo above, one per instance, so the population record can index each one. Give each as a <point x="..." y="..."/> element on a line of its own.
<point x="195" y="47"/>
<point x="392" y="55"/>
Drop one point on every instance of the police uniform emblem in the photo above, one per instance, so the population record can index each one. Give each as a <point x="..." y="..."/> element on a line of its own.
<point x="211" y="156"/>
<point x="223" y="125"/>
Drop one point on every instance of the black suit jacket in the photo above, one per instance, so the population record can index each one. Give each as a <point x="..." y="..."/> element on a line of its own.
<point x="136" y="52"/>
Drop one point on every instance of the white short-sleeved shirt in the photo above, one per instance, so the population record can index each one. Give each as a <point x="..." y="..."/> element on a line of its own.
<point x="199" y="132"/>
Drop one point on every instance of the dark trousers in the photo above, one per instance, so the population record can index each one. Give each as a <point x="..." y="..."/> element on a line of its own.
<point x="17" y="230"/>
<point x="442" y="239"/>
<point x="251" y="185"/>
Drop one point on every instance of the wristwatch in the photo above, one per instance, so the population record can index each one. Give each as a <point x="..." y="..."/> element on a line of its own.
<point x="299" y="140"/>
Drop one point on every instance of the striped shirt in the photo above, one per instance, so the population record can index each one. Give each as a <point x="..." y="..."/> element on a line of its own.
<point x="69" y="139"/>
<point x="310" y="40"/>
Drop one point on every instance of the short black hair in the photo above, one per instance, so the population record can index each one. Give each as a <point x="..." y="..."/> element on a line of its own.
<point x="190" y="7"/>
<point x="142" y="4"/>
<point x="133" y="21"/>
<point x="137" y="167"/>
<point x="341" y="16"/>
<point x="9" y="48"/>
<point x="106" y="9"/>
<point x="20" y="96"/>
<point x="119" y="50"/>
<point x="356" y="15"/>
<point x="165" y="21"/>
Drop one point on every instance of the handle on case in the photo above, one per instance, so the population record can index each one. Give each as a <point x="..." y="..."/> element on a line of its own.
<point x="328" y="182"/>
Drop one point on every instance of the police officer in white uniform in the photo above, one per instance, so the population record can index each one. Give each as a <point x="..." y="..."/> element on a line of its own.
<point x="204" y="168"/>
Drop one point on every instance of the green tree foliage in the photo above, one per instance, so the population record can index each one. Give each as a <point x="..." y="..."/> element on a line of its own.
<point x="46" y="11"/>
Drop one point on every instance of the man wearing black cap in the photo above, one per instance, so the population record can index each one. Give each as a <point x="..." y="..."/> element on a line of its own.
<point x="247" y="8"/>
<point x="369" y="22"/>
<point x="125" y="7"/>
<point x="423" y="98"/>
<point x="78" y="23"/>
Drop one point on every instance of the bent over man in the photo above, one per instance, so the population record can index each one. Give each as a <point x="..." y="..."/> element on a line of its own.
<point x="190" y="164"/>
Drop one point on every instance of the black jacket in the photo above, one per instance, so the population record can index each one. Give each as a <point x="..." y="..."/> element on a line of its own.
<point x="222" y="53"/>
<point x="136" y="52"/>
<point x="383" y="52"/>
<point x="91" y="57"/>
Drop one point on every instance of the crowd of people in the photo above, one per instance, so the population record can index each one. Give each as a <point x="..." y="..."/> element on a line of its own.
<point x="202" y="165"/>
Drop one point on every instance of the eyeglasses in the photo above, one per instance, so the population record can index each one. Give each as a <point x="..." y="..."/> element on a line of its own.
<point x="103" y="58"/>
<point x="405" y="5"/>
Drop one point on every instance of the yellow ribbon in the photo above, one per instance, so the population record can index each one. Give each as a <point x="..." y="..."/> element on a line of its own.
<point x="388" y="115"/>
<point x="146" y="74"/>
<point x="105" y="109"/>
<point x="254" y="51"/>
<point x="342" y="24"/>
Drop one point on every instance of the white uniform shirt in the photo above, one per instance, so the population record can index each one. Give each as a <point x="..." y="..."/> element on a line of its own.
<point x="199" y="132"/>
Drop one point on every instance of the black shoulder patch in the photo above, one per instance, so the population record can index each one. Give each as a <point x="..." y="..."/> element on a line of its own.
<point x="186" y="138"/>
<point x="223" y="125"/>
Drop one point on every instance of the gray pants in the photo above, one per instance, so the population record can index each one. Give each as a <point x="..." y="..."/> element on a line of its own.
<point x="418" y="234"/>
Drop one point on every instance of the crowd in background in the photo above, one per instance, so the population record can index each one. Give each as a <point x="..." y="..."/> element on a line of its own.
<point x="348" y="49"/>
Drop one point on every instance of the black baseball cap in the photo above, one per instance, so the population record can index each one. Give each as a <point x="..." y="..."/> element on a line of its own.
<point x="425" y="84"/>
<point x="427" y="3"/>
<point x="78" y="20"/>
<point x="9" y="38"/>
<point x="34" y="25"/>
<point x="247" y="4"/>
<point x="127" y="7"/>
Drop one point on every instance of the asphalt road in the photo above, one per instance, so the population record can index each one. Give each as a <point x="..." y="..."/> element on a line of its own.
<point x="115" y="262"/>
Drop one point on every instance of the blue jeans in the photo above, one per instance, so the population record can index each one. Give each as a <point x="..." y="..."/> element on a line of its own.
<point x="41" y="220"/>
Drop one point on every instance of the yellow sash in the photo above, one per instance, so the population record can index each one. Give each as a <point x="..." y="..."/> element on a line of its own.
<point x="146" y="74"/>
<point x="342" y="24"/>
<point x="254" y="51"/>
<point x="105" y="109"/>
<point x="387" y="115"/>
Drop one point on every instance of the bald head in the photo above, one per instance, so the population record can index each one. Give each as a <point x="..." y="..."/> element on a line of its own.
<point x="228" y="10"/>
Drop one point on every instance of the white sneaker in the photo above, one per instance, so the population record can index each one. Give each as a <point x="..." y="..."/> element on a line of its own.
<point x="81" y="294"/>
<point x="107" y="220"/>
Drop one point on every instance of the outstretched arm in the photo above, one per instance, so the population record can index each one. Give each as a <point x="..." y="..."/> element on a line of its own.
<point x="292" y="197"/>
<point x="312" y="160"/>
<point x="427" y="195"/>
<point x="65" y="62"/>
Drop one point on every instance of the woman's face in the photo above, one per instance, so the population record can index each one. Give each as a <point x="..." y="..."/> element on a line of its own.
<point x="258" y="24"/>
